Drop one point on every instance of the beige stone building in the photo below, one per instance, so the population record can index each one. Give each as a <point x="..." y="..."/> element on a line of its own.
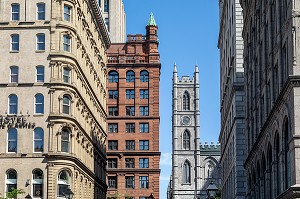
<point x="53" y="98"/>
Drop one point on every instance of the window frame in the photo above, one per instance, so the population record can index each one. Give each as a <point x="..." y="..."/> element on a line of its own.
<point x="12" y="104"/>
<point x="144" y="76"/>
<point x="9" y="182"/>
<point x="112" y="163"/>
<point x="130" y="127"/>
<point x="186" y="140"/>
<point x="112" y="182"/>
<point x="40" y="74"/>
<point x="144" y="127"/>
<point x="144" y="110"/>
<point x="67" y="75"/>
<point x="12" y="140"/>
<point x="130" y="145"/>
<point x="67" y="43"/>
<point x="39" y="104"/>
<point x="130" y="110"/>
<point x="130" y="76"/>
<point x="13" y="13"/>
<point x="65" y="143"/>
<point x="113" y="94"/>
<point x="144" y="163"/>
<point x="65" y="183"/>
<point x="113" y="76"/>
<point x="144" y="145"/>
<point x="35" y="140"/>
<point x="144" y="179"/>
<point x="40" y="42"/>
<point x="113" y="111"/>
<point x="14" y="42"/>
<point x="38" y="182"/>
<point x="66" y="107"/>
<point x="130" y="94"/>
<point x="14" y="75"/>
<point x="40" y="14"/>
<point x="67" y="16"/>
<point x="144" y="94"/>
<point x="113" y="127"/>
<point x="112" y="145"/>
<point x="129" y="163"/>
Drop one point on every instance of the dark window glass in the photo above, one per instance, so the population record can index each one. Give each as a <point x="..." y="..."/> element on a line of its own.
<point x="144" y="182"/>
<point x="186" y="101"/>
<point x="39" y="104"/>
<point x="144" y="111"/>
<point x="130" y="127"/>
<point x="129" y="162"/>
<point x="106" y="5"/>
<point x="15" y="12"/>
<point x="67" y="43"/>
<point x="67" y="13"/>
<point x="186" y="172"/>
<point x="144" y="144"/>
<point x="113" y="111"/>
<point x="186" y="140"/>
<point x="37" y="183"/>
<point x="113" y="94"/>
<point x="130" y="145"/>
<point x="130" y="77"/>
<point x="130" y="94"/>
<point x="66" y="105"/>
<point x="113" y="76"/>
<point x="63" y="183"/>
<point x="41" y="9"/>
<point x="112" y="163"/>
<point x="38" y="140"/>
<point x="144" y="127"/>
<point x="40" y="42"/>
<point x="65" y="140"/>
<point x="144" y="76"/>
<point x="14" y="74"/>
<point x="12" y="141"/>
<point x="144" y="94"/>
<point x="112" y="182"/>
<point x="40" y="71"/>
<point x="130" y="111"/>
<point x="13" y="104"/>
<point x="113" y="145"/>
<point x="144" y="163"/>
<point x="15" y="42"/>
<point x="113" y="128"/>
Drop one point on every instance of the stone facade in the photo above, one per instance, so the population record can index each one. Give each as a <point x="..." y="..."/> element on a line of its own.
<point x="272" y="90"/>
<point x="191" y="171"/>
<point x="232" y="102"/>
<point x="133" y="116"/>
<point x="53" y="98"/>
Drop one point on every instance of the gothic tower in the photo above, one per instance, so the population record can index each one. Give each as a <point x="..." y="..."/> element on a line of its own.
<point x="185" y="137"/>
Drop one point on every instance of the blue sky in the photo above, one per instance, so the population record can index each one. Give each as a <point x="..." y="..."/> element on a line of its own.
<point x="188" y="35"/>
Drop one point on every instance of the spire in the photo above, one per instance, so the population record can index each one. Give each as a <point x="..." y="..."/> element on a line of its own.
<point x="175" y="68"/>
<point x="196" y="68"/>
<point x="151" y="21"/>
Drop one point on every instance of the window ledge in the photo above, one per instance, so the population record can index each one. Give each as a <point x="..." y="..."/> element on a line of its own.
<point x="13" y="84"/>
<point x="38" y="115"/>
<point x="39" y="51"/>
<point x="38" y="83"/>
<point x="14" y="51"/>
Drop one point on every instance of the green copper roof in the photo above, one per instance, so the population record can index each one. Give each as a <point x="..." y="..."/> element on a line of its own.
<point x="151" y="21"/>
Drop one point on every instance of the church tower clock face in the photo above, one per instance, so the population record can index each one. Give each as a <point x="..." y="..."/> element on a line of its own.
<point x="185" y="120"/>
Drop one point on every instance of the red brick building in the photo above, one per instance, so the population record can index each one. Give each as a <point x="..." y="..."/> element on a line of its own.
<point x="133" y="116"/>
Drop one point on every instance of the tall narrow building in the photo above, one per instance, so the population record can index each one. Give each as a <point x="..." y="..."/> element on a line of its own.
<point x="52" y="110"/>
<point x="185" y="137"/>
<point x="232" y="135"/>
<point x="133" y="116"/>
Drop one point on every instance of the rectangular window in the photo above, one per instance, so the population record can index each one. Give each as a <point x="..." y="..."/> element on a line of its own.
<point x="112" y="182"/>
<point x="144" y="93"/>
<point x="129" y="162"/>
<point x="40" y="71"/>
<point x="14" y="42"/>
<point x="14" y="74"/>
<point x="106" y="5"/>
<point x="113" y="111"/>
<point x="41" y="10"/>
<point x="113" y="94"/>
<point x="15" y="12"/>
<point x="40" y="42"/>
<point x="66" y="75"/>
<point x="130" y="127"/>
<point x="144" y="144"/>
<point x="130" y="111"/>
<point x="144" y="111"/>
<point x="67" y="13"/>
<point x="144" y="163"/>
<point x="113" y="145"/>
<point x="130" y="145"/>
<point x="144" y="182"/>
<point x="112" y="163"/>
<point x="129" y="94"/>
<point x="144" y="127"/>
<point x="129" y="182"/>
<point x="67" y="43"/>
<point x="106" y="20"/>
<point x="113" y="128"/>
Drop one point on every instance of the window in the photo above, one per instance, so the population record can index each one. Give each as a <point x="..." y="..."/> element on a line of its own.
<point x="130" y="76"/>
<point x="130" y="127"/>
<point x="106" y="20"/>
<point x="130" y="145"/>
<point x="37" y="183"/>
<point x="40" y="42"/>
<point x="186" y="140"/>
<point x="15" y="12"/>
<point x="144" y="144"/>
<point x="130" y="111"/>
<point x="144" y="110"/>
<point x="113" y="128"/>
<point x="67" y="43"/>
<point x="39" y="104"/>
<point x="113" y="94"/>
<point x="129" y="181"/>
<point x="14" y="74"/>
<point x="66" y="75"/>
<point x="129" y="162"/>
<point x="186" y="101"/>
<point x="144" y="93"/>
<point x="144" y="182"/>
<point x="66" y="105"/>
<point x="67" y="13"/>
<point x="113" y="76"/>
<point x="112" y="182"/>
<point x="13" y="104"/>
<point x="113" y="111"/>
<point x="12" y="140"/>
<point x="65" y="140"/>
<point x="144" y="76"/>
<point x="129" y="94"/>
<point x="41" y="10"/>
<point x="144" y="163"/>
<point x="113" y="145"/>
<point x="112" y="163"/>
<point x="106" y="5"/>
<point x="38" y="140"/>
<point x="40" y="71"/>
<point x="144" y="127"/>
<point x="186" y="172"/>
<point x="11" y="179"/>
<point x="63" y="183"/>
<point x="15" y="42"/>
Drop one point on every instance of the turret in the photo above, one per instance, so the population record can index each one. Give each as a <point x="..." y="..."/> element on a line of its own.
<point x="152" y="40"/>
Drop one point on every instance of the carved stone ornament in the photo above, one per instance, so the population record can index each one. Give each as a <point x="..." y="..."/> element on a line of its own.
<point x="185" y="120"/>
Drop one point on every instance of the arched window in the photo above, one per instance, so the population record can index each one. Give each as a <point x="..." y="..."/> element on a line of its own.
<point x="37" y="183"/>
<point x="66" y="105"/>
<point x="12" y="140"/>
<point x="186" y="172"/>
<point x="63" y="183"/>
<point x="144" y="76"/>
<point x="186" y="101"/>
<point x="130" y="76"/>
<point x="14" y="74"/>
<point x="39" y="103"/>
<point x="113" y="76"/>
<point x="11" y="179"/>
<point x="186" y="140"/>
<point x="38" y="140"/>
<point x="65" y="140"/>
<point x="287" y="155"/>
<point x="13" y="104"/>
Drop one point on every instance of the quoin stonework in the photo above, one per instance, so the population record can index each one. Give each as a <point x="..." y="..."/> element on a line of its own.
<point x="53" y="98"/>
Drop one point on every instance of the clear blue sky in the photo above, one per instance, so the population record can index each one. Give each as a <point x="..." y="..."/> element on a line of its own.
<point x="188" y="35"/>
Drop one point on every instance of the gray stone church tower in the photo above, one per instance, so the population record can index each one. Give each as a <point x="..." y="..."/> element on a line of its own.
<point x="191" y="170"/>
